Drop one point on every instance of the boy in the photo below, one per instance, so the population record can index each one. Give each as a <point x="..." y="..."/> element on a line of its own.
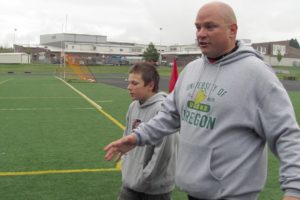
<point x="147" y="172"/>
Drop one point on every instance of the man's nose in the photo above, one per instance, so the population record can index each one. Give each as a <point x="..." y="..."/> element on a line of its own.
<point x="201" y="33"/>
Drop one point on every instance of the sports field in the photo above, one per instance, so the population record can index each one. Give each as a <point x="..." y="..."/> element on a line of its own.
<point x="53" y="132"/>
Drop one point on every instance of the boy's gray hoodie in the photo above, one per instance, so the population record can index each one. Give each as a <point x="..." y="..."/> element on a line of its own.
<point x="226" y="113"/>
<point x="149" y="169"/>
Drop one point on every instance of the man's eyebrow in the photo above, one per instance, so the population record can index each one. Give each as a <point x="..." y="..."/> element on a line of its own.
<point x="208" y="22"/>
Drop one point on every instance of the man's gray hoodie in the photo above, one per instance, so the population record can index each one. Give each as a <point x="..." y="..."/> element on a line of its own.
<point x="149" y="169"/>
<point x="226" y="113"/>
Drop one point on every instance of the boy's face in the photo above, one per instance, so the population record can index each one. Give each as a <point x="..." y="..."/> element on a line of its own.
<point x="137" y="88"/>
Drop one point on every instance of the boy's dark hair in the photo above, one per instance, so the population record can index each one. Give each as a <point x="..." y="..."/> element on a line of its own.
<point x="148" y="73"/>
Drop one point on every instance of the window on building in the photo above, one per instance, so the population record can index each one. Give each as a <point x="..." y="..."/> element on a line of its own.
<point x="263" y="50"/>
<point x="136" y="50"/>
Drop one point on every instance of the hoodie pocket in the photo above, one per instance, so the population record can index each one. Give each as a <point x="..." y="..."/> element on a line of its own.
<point x="132" y="170"/>
<point x="194" y="174"/>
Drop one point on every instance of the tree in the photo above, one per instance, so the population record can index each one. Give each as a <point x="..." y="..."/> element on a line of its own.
<point x="6" y="50"/>
<point x="294" y="43"/>
<point x="28" y="50"/>
<point x="279" y="56"/>
<point x="151" y="54"/>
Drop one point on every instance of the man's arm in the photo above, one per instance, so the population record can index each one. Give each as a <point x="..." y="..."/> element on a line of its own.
<point x="119" y="147"/>
<point x="278" y="123"/>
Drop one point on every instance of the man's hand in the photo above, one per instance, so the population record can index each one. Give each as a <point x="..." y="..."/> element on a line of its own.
<point x="290" y="198"/>
<point x="120" y="147"/>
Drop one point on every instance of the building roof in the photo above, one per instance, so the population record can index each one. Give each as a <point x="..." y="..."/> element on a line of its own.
<point x="290" y="52"/>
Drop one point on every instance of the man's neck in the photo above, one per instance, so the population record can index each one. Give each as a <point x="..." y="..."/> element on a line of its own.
<point x="213" y="60"/>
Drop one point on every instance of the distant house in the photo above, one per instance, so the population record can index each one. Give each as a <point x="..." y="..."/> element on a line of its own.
<point x="270" y="50"/>
<point x="14" y="58"/>
<point x="38" y="53"/>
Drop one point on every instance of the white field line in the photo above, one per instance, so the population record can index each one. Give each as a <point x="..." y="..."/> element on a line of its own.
<point x="99" y="108"/>
<point x="81" y="94"/>
<point x="93" y="103"/>
<point x="5" y="81"/>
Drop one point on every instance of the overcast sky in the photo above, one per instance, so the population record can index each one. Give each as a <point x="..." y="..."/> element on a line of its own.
<point x="142" y="21"/>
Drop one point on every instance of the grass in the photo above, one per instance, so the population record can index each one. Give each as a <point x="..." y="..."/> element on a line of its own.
<point x="34" y="68"/>
<point x="52" y="132"/>
<point x="87" y="186"/>
<point x="293" y="71"/>
<point x="45" y="125"/>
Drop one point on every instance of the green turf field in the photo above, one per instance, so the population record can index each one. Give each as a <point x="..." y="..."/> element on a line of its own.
<point x="51" y="138"/>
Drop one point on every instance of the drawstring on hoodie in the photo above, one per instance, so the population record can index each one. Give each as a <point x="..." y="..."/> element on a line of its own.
<point x="201" y="74"/>
<point x="199" y="95"/>
<point x="212" y="86"/>
<point x="215" y="79"/>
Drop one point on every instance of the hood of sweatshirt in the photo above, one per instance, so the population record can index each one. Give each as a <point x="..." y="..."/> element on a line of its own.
<point x="158" y="97"/>
<point x="241" y="52"/>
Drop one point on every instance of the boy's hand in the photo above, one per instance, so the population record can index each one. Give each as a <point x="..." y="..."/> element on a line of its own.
<point x="120" y="147"/>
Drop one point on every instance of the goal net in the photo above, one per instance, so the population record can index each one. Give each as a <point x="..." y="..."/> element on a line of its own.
<point x="75" y="70"/>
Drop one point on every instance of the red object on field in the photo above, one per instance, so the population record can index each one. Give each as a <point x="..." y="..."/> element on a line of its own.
<point x="174" y="76"/>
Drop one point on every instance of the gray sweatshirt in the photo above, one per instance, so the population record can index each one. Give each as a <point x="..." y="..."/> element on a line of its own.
<point x="149" y="169"/>
<point x="226" y="113"/>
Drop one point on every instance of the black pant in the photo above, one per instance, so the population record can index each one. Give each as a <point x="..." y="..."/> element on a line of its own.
<point x="193" y="198"/>
<point x="128" y="194"/>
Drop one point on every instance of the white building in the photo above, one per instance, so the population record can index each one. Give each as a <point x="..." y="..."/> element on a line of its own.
<point x="14" y="58"/>
<point x="270" y="51"/>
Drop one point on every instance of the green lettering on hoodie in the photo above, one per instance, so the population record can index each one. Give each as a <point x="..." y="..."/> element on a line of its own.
<point x="196" y="119"/>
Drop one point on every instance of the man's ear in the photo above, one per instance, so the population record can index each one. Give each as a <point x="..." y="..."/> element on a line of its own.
<point x="233" y="29"/>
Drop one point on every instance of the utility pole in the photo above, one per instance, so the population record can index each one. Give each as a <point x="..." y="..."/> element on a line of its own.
<point x="160" y="29"/>
<point x="14" y="38"/>
<point x="160" y="47"/>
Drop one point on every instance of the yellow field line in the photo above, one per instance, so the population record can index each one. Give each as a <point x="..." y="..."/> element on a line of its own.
<point x="57" y="172"/>
<point x="121" y="126"/>
<point x="93" y="103"/>
<point x="99" y="108"/>
<point x="5" y="81"/>
<point x="104" y="101"/>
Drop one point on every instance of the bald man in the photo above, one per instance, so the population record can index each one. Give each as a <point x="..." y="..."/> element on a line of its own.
<point x="227" y="106"/>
